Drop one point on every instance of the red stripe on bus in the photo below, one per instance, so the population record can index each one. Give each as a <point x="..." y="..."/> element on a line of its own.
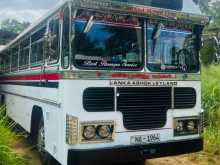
<point x="120" y="75"/>
<point x="49" y="76"/>
<point x="143" y="76"/>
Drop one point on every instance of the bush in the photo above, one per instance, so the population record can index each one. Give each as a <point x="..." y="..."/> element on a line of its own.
<point x="208" y="53"/>
<point x="7" y="140"/>
<point x="211" y="105"/>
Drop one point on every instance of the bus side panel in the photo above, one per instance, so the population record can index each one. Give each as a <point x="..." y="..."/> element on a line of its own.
<point x="20" y="101"/>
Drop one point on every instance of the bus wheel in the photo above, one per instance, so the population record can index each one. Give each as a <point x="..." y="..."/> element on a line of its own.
<point x="46" y="158"/>
<point x="41" y="143"/>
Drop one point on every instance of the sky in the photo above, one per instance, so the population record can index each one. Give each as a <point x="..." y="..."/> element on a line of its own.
<point x="25" y="10"/>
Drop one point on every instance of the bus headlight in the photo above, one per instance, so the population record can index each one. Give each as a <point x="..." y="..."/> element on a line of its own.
<point x="186" y="126"/>
<point x="179" y="126"/>
<point x="104" y="131"/>
<point x="71" y="129"/>
<point x="97" y="131"/>
<point x="89" y="132"/>
<point x="191" y="126"/>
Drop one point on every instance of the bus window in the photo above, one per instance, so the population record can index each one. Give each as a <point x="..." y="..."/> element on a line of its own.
<point x="107" y="42"/>
<point x="1" y="63"/>
<point x="6" y="61"/>
<point x="37" y="53"/>
<point x="173" y="50"/>
<point x="65" y="39"/>
<point x="14" y="63"/>
<point x="53" y="37"/>
<point x="24" y="54"/>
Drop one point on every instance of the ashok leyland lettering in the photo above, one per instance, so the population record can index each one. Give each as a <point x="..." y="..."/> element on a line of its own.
<point x="108" y="81"/>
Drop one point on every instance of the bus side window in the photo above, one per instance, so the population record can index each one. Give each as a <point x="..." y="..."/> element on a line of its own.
<point x="14" y="63"/>
<point x="53" y="41"/>
<point x="1" y="63"/>
<point x="7" y="60"/>
<point x="66" y="38"/>
<point x="24" y="54"/>
<point x="37" y="40"/>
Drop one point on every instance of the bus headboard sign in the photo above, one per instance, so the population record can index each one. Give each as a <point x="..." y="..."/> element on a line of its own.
<point x="141" y="11"/>
<point x="144" y="83"/>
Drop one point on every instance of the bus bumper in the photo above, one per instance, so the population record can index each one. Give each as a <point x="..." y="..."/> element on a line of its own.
<point x="133" y="153"/>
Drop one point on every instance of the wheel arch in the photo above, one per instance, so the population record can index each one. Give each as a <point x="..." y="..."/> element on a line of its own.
<point x="37" y="114"/>
<point x="2" y="99"/>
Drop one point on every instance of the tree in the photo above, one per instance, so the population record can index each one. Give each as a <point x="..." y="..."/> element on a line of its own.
<point x="208" y="53"/>
<point x="14" y="26"/>
<point x="210" y="8"/>
<point x="6" y="36"/>
<point x="204" y="5"/>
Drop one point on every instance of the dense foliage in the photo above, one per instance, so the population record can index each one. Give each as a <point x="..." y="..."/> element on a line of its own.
<point x="211" y="8"/>
<point x="9" y="29"/>
<point x="211" y="105"/>
<point x="6" y="36"/>
<point x="14" y="25"/>
<point x="8" y="140"/>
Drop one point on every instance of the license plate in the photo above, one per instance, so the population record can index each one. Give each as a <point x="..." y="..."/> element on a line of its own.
<point x="145" y="139"/>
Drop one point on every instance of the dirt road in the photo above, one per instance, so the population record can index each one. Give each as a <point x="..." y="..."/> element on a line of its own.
<point x="179" y="160"/>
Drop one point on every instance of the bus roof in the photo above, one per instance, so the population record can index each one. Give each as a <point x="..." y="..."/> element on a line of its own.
<point x="187" y="14"/>
<point x="187" y="6"/>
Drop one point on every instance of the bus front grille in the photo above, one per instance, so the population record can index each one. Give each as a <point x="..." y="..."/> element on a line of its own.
<point x="99" y="99"/>
<point x="184" y="98"/>
<point x="144" y="108"/>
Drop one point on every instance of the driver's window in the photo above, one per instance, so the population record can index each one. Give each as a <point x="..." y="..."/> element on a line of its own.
<point x="53" y="37"/>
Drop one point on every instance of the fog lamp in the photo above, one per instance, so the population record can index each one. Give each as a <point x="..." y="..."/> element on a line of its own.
<point x="89" y="132"/>
<point x="104" y="131"/>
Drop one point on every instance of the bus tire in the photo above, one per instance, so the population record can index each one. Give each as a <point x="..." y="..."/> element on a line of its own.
<point x="45" y="157"/>
<point x="41" y="142"/>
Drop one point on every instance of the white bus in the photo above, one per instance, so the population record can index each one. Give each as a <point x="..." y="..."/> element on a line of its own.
<point x="108" y="81"/>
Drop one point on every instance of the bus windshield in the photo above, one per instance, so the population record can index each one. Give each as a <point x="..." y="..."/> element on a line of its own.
<point x="173" y="50"/>
<point x="102" y="43"/>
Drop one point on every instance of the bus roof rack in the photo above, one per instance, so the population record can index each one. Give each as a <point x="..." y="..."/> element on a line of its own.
<point x="141" y="11"/>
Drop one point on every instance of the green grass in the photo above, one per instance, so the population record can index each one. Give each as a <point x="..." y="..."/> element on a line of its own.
<point x="211" y="106"/>
<point x="8" y="139"/>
